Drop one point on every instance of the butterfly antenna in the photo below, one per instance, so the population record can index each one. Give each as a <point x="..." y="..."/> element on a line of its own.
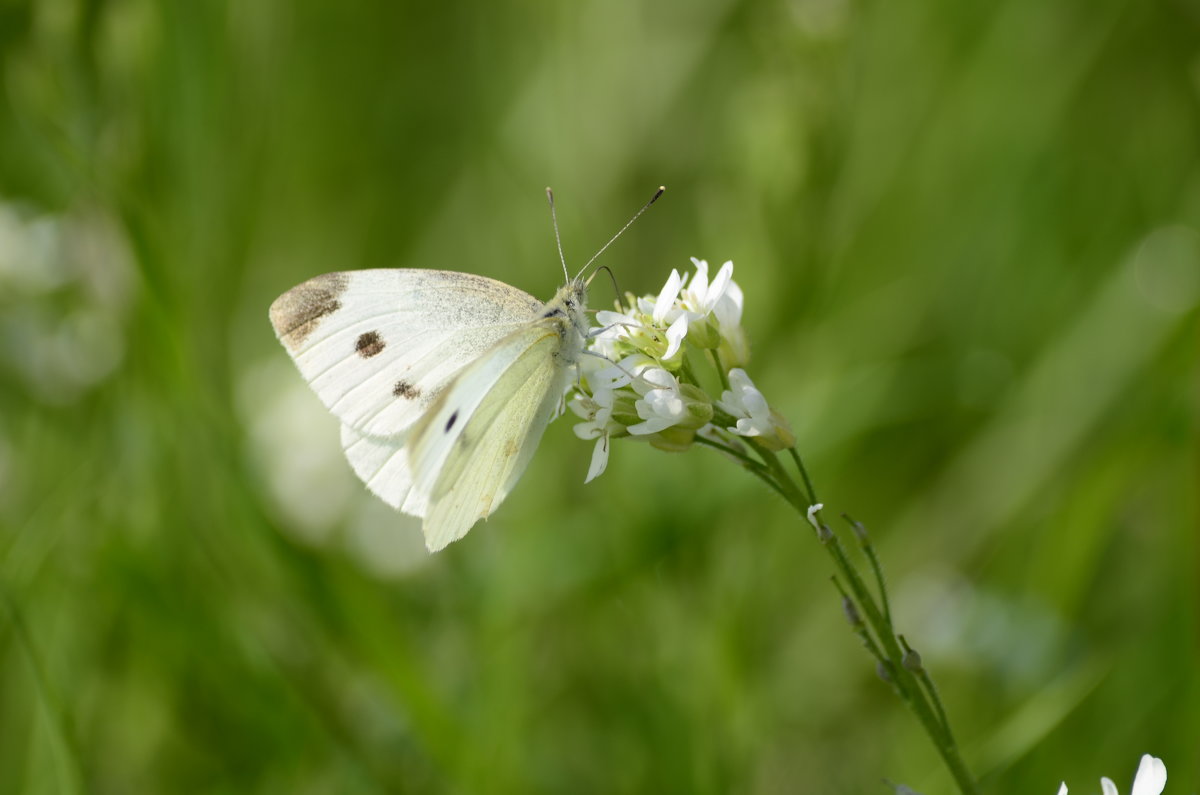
<point x="629" y="223"/>
<point x="557" y="238"/>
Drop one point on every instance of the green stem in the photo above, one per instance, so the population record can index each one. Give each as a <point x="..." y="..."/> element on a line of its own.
<point x="916" y="689"/>
<point x="724" y="376"/>
<point x="930" y="688"/>
<point x="864" y="541"/>
<point x="808" y="486"/>
<point x="749" y="463"/>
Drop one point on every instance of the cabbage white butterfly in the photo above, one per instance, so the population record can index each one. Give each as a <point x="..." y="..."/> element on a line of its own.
<point x="443" y="381"/>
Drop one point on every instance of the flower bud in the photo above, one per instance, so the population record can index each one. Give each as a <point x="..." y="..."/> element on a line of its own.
<point x="734" y="348"/>
<point x="703" y="334"/>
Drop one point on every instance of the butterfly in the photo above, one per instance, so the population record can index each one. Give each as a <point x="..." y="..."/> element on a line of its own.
<point x="444" y="382"/>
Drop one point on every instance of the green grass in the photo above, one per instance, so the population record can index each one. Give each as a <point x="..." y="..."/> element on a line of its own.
<point x="967" y="237"/>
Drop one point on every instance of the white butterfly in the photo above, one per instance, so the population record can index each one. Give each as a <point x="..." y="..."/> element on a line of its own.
<point x="443" y="382"/>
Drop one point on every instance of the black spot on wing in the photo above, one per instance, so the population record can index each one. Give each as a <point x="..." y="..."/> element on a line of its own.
<point x="369" y="344"/>
<point x="403" y="389"/>
<point x="298" y="312"/>
<point x="450" y="422"/>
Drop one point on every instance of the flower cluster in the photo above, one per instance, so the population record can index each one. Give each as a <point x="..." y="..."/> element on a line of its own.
<point x="642" y="380"/>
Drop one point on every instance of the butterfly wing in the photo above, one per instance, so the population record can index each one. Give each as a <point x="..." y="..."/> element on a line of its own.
<point x="460" y="461"/>
<point x="380" y="346"/>
<point x="381" y="462"/>
<point x="480" y="464"/>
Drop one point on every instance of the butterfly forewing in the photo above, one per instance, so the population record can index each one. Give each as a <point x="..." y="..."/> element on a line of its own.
<point x="382" y="463"/>
<point x="380" y="346"/>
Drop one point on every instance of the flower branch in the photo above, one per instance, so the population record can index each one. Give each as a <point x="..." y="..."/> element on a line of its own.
<point x="643" y="384"/>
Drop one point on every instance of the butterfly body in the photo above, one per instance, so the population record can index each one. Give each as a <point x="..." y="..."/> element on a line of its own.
<point x="443" y="381"/>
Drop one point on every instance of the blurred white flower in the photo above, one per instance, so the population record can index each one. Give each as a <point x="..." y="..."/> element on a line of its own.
<point x="1151" y="779"/>
<point x="65" y="285"/>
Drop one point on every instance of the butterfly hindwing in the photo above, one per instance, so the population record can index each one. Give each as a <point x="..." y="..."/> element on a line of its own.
<point x="471" y="448"/>
<point x="380" y="346"/>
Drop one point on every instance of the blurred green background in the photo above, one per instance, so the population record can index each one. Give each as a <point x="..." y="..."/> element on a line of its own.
<point x="967" y="234"/>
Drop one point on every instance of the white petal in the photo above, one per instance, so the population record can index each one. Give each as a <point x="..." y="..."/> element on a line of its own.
<point x="599" y="459"/>
<point x="651" y="425"/>
<point x="667" y="296"/>
<point x="698" y="286"/>
<point x="615" y="324"/>
<point x="1151" y="776"/>
<point x="719" y="284"/>
<point x="729" y="309"/>
<point x="586" y="430"/>
<point x="1107" y="787"/>
<point x="580" y="406"/>
<point x="746" y="427"/>
<point x="618" y="375"/>
<point x="755" y="403"/>
<point x="1062" y="790"/>
<point x="675" y="335"/>
<point x="657" y="377"/>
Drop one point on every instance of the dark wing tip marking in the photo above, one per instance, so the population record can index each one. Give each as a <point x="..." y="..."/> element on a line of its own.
<point x="403" y="389"/>
<point x="298" y="312"/>
<point x="450" y="422"/>
<point x="369" y="344"/>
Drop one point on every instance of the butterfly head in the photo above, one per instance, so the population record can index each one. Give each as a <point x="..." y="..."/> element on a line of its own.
<point x="572" y="299"/>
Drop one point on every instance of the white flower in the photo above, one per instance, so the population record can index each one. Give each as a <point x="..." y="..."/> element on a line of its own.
<point x="664" y="305"/>
<point x="684" y="303"/>
<point x="744" y="402"/>
<point x="754" y="416"/>
<point x="699" y="296"/>
<point x="1151" y="778"/>
<point x="735" y="350"/>
<point x="662" y="404"/>
<point x="597" y="411"/>
<point x="640" y="382"/>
